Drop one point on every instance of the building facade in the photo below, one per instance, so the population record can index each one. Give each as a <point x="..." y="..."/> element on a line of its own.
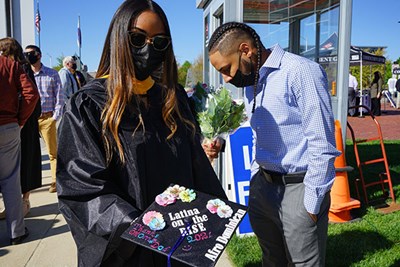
<point x="17" y="20"/>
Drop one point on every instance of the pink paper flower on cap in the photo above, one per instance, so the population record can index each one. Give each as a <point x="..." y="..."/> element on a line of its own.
<point x="165" y="199"/>
<point x="214" y="204"/>
<point x="150" y="215"/>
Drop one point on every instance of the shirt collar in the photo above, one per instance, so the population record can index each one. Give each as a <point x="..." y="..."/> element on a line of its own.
<point x="43" y="69"/>
<point x="275" y="58"/>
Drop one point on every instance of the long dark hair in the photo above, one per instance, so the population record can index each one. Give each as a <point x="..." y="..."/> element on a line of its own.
<point x="116" y="61"/>
<point x="377" y="76"/>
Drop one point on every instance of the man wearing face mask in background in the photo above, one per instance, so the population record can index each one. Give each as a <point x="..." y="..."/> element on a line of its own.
<point x="68" y="80"/>
<point x="52" y="100"/>
<point x="290" y="113"/>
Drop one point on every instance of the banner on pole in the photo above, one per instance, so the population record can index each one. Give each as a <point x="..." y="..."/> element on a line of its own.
<point x="79" y="40"/>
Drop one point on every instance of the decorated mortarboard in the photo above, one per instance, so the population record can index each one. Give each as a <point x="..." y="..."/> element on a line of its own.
<point x="187" y="225"/>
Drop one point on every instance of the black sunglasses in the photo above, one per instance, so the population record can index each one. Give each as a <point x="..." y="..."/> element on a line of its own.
<point x="139" y="40"/>
<point x="27" y="54"/>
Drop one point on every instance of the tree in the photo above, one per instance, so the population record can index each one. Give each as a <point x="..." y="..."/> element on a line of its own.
<point x="59" y="63"/>
<point x="182" y="72"/>
<point x="197" y="69"/>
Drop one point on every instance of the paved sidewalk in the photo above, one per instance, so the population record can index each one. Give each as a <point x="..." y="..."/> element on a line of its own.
<point x="50" y="242"/>
<point x="389" y="122"/>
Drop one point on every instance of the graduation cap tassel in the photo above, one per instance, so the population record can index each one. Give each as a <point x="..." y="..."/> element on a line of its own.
<point x="180" y="240"/>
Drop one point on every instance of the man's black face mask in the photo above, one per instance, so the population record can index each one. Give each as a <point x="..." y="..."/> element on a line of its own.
<point x="32" y="57"/>
<point x="243" y="80"/>
<point x="146" y="60"/>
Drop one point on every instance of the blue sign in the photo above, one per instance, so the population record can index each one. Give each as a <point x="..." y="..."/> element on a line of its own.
<point x="241" y="144"/>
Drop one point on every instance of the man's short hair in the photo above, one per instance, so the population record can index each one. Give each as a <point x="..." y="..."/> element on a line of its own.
<point x="34" y="47"/>
<point x="67" y="60"/>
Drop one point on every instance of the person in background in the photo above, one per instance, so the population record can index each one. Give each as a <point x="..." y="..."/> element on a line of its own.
<point x="79" y="76"/>
<point x="70" y="84"/>
<point x="17" y="102"/>
<point x="392" y="85"/>
<point x="398" y="93"/>
<point x="126" y="137"/>
<point x="352" y="94"/>
<point x="31" y="157"/>
<point x="290" y="112"/>
<point x="52" y="101"/>
<point x="376" y="93"/>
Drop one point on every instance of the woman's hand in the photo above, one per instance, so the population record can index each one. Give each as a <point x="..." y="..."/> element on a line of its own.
<point x="212" y="149"/>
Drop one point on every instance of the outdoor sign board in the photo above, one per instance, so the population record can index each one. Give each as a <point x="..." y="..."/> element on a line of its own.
<point x="239" y="151"/>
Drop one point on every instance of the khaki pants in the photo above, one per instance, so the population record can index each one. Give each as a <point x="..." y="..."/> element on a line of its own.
<point x="48" y="131"/>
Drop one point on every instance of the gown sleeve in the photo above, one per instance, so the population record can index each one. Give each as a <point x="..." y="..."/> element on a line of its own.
<point x="93" y="203"/>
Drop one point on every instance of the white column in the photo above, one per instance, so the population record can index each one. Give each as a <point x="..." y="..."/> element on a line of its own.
<point x="346" y="8"/>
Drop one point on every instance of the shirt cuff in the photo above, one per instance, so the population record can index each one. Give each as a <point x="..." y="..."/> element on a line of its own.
<point x="312" y="203"/>
<point x="56" y="116"/>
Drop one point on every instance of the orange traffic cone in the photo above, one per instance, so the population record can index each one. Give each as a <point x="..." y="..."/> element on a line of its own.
<point x="341" y="203"/>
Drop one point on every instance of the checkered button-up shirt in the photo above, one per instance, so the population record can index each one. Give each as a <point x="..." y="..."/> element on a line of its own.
<point x="293" y="124"/>
<point x="51" y="95"/>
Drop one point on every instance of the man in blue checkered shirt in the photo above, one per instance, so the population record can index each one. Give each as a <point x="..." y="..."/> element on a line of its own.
<point x="290" y="113"/>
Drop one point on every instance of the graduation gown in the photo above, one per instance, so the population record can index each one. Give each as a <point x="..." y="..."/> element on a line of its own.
<point x="31" y="153"/>
<point x="100" y="200"/>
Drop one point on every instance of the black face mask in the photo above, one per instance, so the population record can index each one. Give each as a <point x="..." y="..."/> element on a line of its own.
<point x="32" y="58"/>
<point x="74" y="67"/>
<point x="242" y="80"/>
<point x="146" y="60"/>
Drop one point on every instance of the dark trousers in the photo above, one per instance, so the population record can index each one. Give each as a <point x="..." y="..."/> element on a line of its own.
<point x="376" y="106"/>
<point x="351" y="102"/>
<point x="285" y="231"/>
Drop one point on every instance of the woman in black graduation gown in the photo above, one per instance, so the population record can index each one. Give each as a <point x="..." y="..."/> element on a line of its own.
<point x="125" y="138"/>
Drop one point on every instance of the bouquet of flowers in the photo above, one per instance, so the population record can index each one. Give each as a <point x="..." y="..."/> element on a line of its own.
<point x="221" y="115"/>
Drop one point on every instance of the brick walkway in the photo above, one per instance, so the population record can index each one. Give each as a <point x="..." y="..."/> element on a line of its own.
<point x="366" y="128"/>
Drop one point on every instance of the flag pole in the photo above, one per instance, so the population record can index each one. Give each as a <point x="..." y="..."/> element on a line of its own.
<point x="37" y="21"/>
<point x="79" y="41"/>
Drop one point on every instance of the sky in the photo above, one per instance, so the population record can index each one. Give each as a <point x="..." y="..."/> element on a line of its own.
<point x="59" y="20"/>
<point x="374" y="23"/>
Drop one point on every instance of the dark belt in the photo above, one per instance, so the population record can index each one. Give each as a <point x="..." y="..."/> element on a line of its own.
<point x="283" y="179"/>
<point x="46" y="115"/>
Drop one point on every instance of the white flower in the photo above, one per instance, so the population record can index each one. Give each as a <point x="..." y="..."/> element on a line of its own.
<point x="224" y="211"/>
